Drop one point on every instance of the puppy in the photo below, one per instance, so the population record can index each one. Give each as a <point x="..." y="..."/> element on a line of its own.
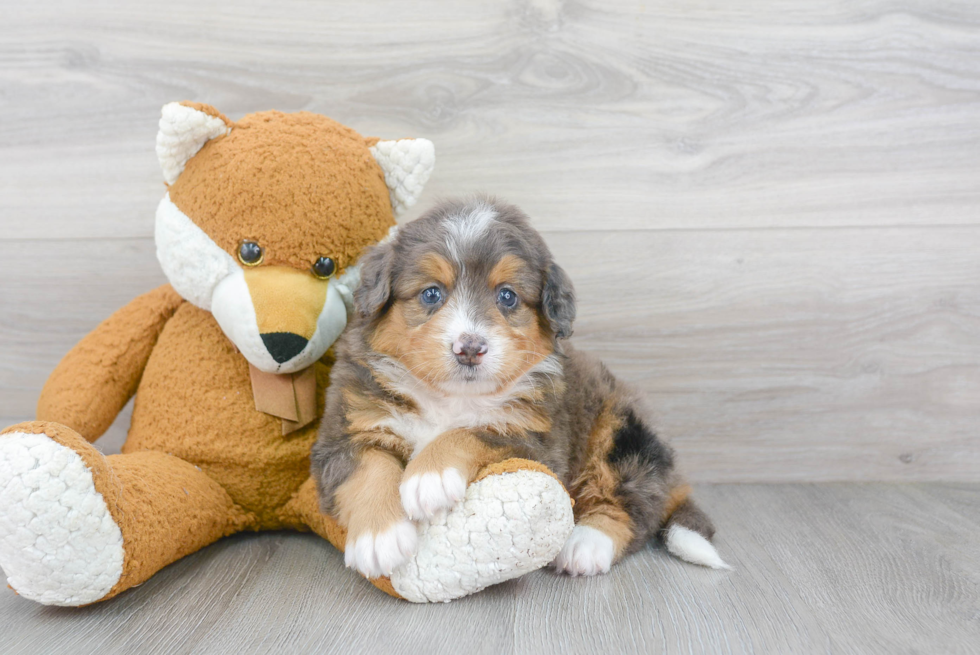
<point x="457" y="358"/>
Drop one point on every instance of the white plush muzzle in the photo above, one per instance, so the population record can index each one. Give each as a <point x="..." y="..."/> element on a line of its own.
<point x="208" y="277"/>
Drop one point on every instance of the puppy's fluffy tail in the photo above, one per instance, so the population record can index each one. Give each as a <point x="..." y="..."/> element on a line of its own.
<point x="687" y="530"/>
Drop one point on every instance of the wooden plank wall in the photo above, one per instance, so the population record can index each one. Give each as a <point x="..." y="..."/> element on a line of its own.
<point x="771" y="210"/>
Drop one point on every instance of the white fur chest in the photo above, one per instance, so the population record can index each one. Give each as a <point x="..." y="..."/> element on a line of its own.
<point x="438" y="414"/>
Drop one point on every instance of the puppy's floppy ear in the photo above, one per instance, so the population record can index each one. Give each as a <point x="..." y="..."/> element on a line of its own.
<point x="374" y="290"/>
<point x="558" y="301"/>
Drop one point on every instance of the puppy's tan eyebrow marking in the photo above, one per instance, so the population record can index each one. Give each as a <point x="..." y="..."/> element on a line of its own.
<point x="506" y="270"/>
<point x="436" y="267"/>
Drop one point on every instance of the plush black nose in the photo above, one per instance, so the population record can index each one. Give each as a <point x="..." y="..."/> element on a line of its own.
<point x="470" y="349"/>
<point x="283" y="346"/>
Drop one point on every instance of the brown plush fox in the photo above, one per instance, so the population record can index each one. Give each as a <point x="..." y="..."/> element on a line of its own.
<point x="258" y="235"/>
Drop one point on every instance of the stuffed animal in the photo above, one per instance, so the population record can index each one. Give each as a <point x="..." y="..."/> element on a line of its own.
<point x="258" y="234"/>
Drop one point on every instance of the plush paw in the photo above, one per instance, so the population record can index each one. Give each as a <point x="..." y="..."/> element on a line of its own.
<point x="426" y="494"/>
<point x="378" y="554"/>
<point x="508" y="524"/>
<point x="59" y="544"/>
<point x="587" y="552"/>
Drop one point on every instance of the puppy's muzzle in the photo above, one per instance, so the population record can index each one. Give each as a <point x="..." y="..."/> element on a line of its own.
<point x="470" y="349"/>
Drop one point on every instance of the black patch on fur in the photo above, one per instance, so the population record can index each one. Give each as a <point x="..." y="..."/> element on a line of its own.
<point x="635" y="440"/>
<point x="644" y="463"/>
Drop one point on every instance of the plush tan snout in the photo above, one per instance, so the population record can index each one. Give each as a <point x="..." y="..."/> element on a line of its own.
<point x="287" y="305"/>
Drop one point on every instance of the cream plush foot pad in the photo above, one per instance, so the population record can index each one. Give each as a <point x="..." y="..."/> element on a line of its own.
<point x="508" y="524"/>
<point x="58" y="542"/>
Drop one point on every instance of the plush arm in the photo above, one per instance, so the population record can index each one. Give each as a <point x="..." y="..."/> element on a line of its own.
<point x="100" y="374"/>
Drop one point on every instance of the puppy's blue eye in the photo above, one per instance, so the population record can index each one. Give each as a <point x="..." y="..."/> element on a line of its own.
<point x="431" y="296"/>
<point x="507" y="298"/>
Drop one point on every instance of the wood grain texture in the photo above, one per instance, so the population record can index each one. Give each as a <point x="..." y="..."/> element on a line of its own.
<point x="167" y="614"/>
<point x="869" y="568"/>
<point x="796" y="354"/>
<point x="629" y="114"/>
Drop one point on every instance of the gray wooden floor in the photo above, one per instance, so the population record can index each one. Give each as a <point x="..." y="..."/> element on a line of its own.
<point x="771" y="212"/>
<point x="828" y="568"/>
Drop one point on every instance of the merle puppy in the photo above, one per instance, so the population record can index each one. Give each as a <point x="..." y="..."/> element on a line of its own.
<point x="458" y="358"/>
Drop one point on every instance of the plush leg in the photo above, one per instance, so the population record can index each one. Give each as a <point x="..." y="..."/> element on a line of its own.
<point x="513" y="519"/>
<point x="77" y="527"/>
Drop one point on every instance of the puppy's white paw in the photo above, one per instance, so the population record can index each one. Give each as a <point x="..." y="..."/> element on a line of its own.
<point x="426" y="494"/>
<point x="587" y="552"/>
<point x="378" y="554"/>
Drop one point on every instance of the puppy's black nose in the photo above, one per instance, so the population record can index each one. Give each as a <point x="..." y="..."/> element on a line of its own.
<point x="470" y="349"/>
<point x="283" y="346"/>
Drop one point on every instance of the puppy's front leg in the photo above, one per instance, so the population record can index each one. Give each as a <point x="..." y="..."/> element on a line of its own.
<point x="379" y="536"/>
<point x="436" y="478"/>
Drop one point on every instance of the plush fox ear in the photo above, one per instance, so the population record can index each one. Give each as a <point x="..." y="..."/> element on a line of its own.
<point x="407" y="165"/>
<point x="184" y="128"/>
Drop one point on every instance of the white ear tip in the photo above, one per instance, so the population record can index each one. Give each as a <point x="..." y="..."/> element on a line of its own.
<point x="407" y="165"/>
<point x="183" y="131"/>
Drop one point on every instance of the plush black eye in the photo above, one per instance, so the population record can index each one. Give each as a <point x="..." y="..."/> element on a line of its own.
<point x="431" y="296"/>
<point x="324" y="268"/>
<point x="250" y="253"/>
<point x="507" y="298"/>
